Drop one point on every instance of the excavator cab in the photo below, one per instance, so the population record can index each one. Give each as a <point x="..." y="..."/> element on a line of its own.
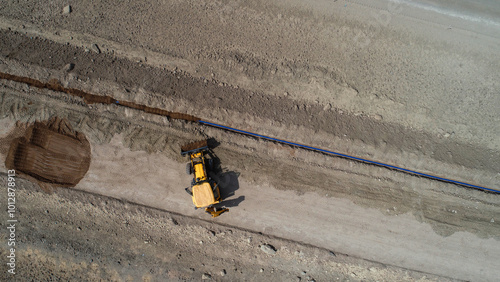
<point x="205" y="194"/>
<point x="204" y="191"/>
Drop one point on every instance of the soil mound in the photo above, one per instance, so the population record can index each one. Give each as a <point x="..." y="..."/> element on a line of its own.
<point x="51" y="152"/>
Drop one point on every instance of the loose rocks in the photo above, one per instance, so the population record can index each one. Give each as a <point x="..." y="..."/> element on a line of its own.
<point x="67" y="9"/>
<point x="69" y="67"/>
<point x="268" y="249"/>
<point x="95" y="48"/>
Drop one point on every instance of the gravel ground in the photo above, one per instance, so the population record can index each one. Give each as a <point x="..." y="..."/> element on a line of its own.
<point x="411" y="87"/>
<point x="114" y="240"/>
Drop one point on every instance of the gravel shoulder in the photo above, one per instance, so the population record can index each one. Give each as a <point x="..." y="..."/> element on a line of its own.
<point x="115" y="240"/>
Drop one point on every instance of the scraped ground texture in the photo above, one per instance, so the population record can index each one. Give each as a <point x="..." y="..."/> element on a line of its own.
<point x="401" y="82"/>
<point x="51" y="152"/>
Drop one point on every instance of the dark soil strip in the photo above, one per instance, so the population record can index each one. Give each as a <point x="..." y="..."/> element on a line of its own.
<point x="95" y="99"/>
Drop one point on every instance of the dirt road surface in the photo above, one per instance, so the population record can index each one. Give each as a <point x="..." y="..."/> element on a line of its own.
<point x="401" y="82"/>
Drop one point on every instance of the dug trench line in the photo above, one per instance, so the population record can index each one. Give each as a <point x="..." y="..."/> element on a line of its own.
<point x="94" y="99"/>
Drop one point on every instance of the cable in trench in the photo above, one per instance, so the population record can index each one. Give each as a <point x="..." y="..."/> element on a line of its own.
<point x="92" y="99"/>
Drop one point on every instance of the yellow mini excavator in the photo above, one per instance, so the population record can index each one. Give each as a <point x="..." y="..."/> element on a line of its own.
<point x="204" y="190"/>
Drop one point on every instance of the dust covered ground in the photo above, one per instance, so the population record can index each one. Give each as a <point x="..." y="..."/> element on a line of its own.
<point x="80" y="236"/>
<point x="396" y="83"/>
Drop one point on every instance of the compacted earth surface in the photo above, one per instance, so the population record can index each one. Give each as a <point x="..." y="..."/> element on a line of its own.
<point x="409" y="83"/>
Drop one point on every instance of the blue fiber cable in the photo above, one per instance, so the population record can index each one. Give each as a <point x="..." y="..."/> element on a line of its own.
<point x="349" y="157"/>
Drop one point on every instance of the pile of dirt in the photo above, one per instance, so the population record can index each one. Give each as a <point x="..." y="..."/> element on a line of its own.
<point x="51" y="152"/>
<point x="194" y="145"/>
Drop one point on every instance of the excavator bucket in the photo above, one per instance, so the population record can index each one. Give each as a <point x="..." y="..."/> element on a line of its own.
<point x="194" y="147"/>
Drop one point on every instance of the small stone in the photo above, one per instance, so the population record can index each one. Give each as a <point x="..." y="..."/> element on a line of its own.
<point x="206" y="276"/>
<point x="67" y="9"/>
<point x="449" y="134"/>
<point x="69" y="67"/>
<point x="223" y="272"/>
<point x="95" y="48"/>
<point x="249" y="240"/>
<point x="261" y="270"/>
<point x="268" y="249"/>
<point x="372" y="269"/>
<point x="492" y="220"/>
<point x="303" y="273"/>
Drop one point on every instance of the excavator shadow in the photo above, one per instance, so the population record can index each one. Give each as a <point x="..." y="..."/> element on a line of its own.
<point x="227" y="180"/>
<point x="228" y="185"/>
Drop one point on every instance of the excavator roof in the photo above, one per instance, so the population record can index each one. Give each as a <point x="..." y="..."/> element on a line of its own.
<point x="203" y="196"/>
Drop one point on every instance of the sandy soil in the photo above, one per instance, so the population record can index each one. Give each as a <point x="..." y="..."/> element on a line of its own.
<point x="392" y="83"/>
